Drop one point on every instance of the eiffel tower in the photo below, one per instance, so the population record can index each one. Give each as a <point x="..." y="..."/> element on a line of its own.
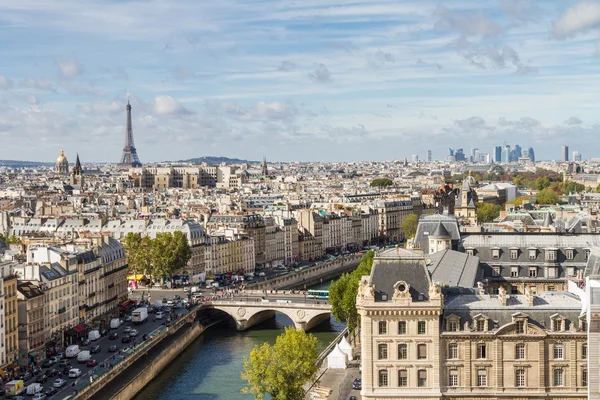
<point x="129" y="158"/>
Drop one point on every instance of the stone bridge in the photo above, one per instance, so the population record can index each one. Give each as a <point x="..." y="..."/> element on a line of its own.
<point x="249" y="313"/>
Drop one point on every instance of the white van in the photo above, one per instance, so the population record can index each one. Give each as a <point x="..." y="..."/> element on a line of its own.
<point x="83" y="356"/>
<point x="93" y="336"/>
<point x="115" y="323"/>
<point x="34" y="388"/>
<point x="72" y="351"/>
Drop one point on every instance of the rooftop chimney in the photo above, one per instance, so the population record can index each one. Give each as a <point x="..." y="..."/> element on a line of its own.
<point x="502" y="296"/>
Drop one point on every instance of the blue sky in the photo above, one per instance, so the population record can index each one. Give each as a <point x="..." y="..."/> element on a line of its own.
<point x="302" y="80"/>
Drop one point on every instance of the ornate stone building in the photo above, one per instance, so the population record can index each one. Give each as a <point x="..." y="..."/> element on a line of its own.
<point x="62" y="164"/>
<point x="421" y="339"/>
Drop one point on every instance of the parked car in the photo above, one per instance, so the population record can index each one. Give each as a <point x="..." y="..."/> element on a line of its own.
<point x="74" y="373"/>
<point x="48" y="363"/>
<point x="66" y="369"/>
<point x="41" y="379"/>
<point x="59" y="383"/>
<point x="127" y="318"/>
<point x="113" y="348"/>
<point x="133" y="333"/>
<point x="126" y="339"/>
<point x="95" y="349"/>
<point x="39" y="396"/>
<point x="159" y="315"/>
<point x="64" y="363"/>
<point x="51" y="391"/>
<point x="92" y="363"/>
<point x="357" y="384"/>
<point x="52" y="372"/>
<point x="26" y="376"/>
<point x="60" y="355"/>
<point x="127" y="329"/>
<point x="113" y="336"/>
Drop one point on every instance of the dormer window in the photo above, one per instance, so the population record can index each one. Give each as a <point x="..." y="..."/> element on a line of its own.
<point x="453" y="323"/>
<point x="514" y="254"/>
<point x="495" y="254"/>
<point x="480" y="323"/>
<point x="514" y="272"/>
<point x="558" y="323"/>
<point x="550" y="255"/>
<point x="569" y="254"/>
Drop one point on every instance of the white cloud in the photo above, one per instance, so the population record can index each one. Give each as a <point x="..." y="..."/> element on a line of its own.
<point x="581" y="17"/>
<point x="69" y="67"/>
<point x="321" y="74"/>
<point x="33" y="99"/>
<point x="468" y="23"/>
<point x="167" y="105"/>
<point x="273" y="110"/>
<point x="573" y="121"/>
<point x="5" y="83"/>
<point x="40" y="84"/>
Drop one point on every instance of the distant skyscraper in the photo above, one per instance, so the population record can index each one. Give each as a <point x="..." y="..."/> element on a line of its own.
<point x="415" y="158"/>
<point x="506" y="153"/>
<point x="129" y="157"/>
<point x="450" y="152"/>
<point x="517" y="152"/>
<point x="429" y="156"/>
<point x="565" y="153"/>
<point x="459" y="155"/>
<point x="497" y="155"/>
<point x="576" y="156"/>
<point x="531" y="154"/>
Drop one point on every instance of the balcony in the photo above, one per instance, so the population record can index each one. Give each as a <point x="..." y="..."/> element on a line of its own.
<point x="82" y="282"/>
<point x="61" y="310"/>
<point x="91" y="295"/>
<point x="112" y="285"/>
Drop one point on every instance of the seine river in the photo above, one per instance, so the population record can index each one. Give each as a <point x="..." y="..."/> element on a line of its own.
<point x="210" y="367"/>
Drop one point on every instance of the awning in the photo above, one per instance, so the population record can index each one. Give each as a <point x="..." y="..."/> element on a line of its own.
<point x="80" y="328"/>
<point x="71" y="332"/>
<point x="137" y="277"/>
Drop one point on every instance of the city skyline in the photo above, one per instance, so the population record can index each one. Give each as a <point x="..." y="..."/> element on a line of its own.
<point x="327" y="81"/>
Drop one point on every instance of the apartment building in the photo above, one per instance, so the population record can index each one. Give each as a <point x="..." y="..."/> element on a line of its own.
<point x="11" y="332"/>
<point x="32" y="326"/>
<point x="274" y="243"/>
<point x="422" y="337"/>
<point x="310" y="228"/>
<point x="252" y="225"/>
<point x="229" y="255"/>
<point x="391" y="214"/>
<point x="174" y="177"/>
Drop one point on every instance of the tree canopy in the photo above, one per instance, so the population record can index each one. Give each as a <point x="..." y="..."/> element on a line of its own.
<point x="11" y="239"/>
<point x="487" y="212"/>
<point x="409" y="225"/>
<point x="547" y="196"/>
<point x="381" y="182"/>
<point x="282" y="369"/>
<point x="343" y="292"/>
<point x="158" y="257"/>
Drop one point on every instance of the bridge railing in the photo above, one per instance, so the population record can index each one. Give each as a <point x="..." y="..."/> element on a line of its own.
<point x="261" y="303"/>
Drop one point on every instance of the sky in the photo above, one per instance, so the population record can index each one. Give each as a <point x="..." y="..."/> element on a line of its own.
<point x="297" y="80"/>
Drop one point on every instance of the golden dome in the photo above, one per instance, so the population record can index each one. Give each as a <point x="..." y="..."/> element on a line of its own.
<point x="62" y="160"/>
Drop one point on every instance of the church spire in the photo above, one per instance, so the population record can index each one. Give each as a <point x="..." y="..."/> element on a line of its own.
<point x="264" y="169"/>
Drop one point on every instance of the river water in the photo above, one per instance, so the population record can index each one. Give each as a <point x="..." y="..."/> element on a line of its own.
<point x="209" y="369"/>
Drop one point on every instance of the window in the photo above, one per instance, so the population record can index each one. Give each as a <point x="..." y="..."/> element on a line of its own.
<point x="569" y="254"/>
<point x="584" y="351"/>
<point x="382" y="350"/>
<point x="583" y="324"/>
<point x="481" y="377"/>
<point x="421" y="378"/>
<point x="552" y="272"/>
<point x="557" y="325"/>
<point x="551" y="288"/>
<point x="558" y="377"/>
<point x="495" y="290"/>
<point x="514" y="254"/>
<point x="495" y="254"/>
<point x="571" y="271"/>
<point x="495" y="271"/>
<point x="402" y="377"/>
<point x="532" y="254"/>
<point x="480" y="325"/>
<point x="402" y="351"/>
<point x="584" y="377"/>
<point x="550" y="255"/>
<point x="421" y="328"/>
<point x="558" y="352"/>
<point x="533" y="272"/>
<point x="422" y="351"/>
<point x="453" y="326"/>
<point x="383" y="378"/>
<point x="382" y="327"/>
<point x="481" y="350"/>
<point x="453" y="351"/>
<point x="402" y="328"/>
<point x="520" y="351"/>
<point x="514" y="272"/>
<point x="520" y="378"/>
<point x="453" y="378"/>
<point x="514" y="289"/>
<point x="520" y="326"/>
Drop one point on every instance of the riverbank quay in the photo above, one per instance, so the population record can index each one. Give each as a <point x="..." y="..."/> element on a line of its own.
<point x="103" y="385"/>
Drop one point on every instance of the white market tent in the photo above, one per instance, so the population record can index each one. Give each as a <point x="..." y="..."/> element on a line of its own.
<point x="346" y="348"/>
<point x="337" y="359"/>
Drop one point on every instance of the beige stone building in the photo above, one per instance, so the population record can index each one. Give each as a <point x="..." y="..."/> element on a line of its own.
<point x="11" y="333"/>
<point x="32" y="316"/>
<point x="425" y="334"/>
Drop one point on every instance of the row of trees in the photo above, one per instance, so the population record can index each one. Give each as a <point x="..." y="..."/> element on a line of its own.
<point x="157" y="257"/>
<point x="343" y="292"/>
<point x="381" y="182"/>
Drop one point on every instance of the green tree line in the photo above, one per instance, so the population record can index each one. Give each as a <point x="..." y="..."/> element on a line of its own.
<point x="381" y="182"/>
<point x="158" y="257"/>
<point x="10" y="239"/>
<point x="343" y="292"/>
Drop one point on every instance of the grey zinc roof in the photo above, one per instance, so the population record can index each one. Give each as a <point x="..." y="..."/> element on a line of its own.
<point x="538" y="240"/>
<point x="593" y="265"/>
<point x="386" y="272"/>
<point x="545" y="305"/>
<point x="429" y="223"/>
<point x="440" y="232"/>
<point x="453" y="268"/>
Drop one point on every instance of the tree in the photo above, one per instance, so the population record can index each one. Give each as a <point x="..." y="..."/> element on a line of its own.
<point x="569" y="187"/>
<point x="10" y="239"/>
<point x="487" y="212"/>
<point x="343" y="292"/>
<point x="168" y="253"/>
<point x="137" y="250"/>
<point x="409" y="225"/>
<point x="281" y="370"/>
<point x="381" y="182"/>
<point x="546" y="196"/>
